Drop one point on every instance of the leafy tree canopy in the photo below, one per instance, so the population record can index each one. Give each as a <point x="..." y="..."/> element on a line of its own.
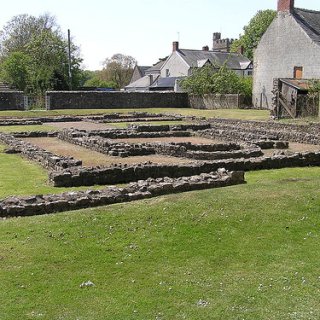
<point x="253" y="32"/>
<point x="222" y="81"/>
<point x="34" y="55"/>
<point x="118" y="69"/>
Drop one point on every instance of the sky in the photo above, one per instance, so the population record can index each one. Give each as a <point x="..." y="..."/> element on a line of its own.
<point x="144" y="29"/>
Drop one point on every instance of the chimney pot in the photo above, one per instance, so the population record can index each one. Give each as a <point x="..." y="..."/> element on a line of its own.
<point x="175" y="46"/>
<point x="241" y="50"/>
<point x="205" y="48"/>
<point x="285" y="5"/>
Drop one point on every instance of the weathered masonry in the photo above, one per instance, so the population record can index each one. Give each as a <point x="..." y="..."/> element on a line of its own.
<point x="11" y="100"/>
<point x="290" y="48"/>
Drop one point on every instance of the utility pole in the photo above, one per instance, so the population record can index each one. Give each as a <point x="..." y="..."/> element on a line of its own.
<point x="69" y="60"/>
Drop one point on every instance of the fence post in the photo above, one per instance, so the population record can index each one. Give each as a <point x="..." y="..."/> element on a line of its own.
<point x="47" y="101"/>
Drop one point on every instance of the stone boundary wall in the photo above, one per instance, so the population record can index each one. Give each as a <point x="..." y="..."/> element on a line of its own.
<point x="114" y="100"/>
<point x="124" y="174"/>
<point x="37" y="205"/>
<point x="218" y="101"/>
<point x="46" y="159"/>
<point x="11" y="100"/>
<point x="268" y="130"/>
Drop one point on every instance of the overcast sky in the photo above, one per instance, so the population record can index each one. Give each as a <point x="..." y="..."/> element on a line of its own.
<point x="144" y="29"/>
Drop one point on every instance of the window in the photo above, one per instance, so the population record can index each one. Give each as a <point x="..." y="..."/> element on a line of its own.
<point x="297" y="72"/>
<point x="167" y="73"/>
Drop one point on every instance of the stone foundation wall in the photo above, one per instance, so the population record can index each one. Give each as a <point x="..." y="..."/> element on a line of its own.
<point x="36" y="205"/>
<point x="124" y="174"/>
<point x="182" y="150"/>
<point x="45" y="158"/>
<point x="11" y="100"/>
<point x="260" y="130"/>
<point x="114" y="100"/>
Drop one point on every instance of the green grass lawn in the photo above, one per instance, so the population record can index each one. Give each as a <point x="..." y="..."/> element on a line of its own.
<point x="243" y="252"/>
<point x="27" y="128"/>
<point x="221" y="113"/>
<point x="19" y="176"/>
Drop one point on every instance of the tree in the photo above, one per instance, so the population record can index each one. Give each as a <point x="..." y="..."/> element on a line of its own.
<point x="119" y="69"/>
<point x="34" y="48"/>
<point x="14" y="70"/>
<point x="253" y="32"/>
<point x="19" y="31"/>
<point x="222" y="81"/>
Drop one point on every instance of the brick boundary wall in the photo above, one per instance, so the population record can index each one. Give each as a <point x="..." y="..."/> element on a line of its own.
<point x="37" y="205"/>
<point x="114" y="100"/>
<point x="11" y="100"/>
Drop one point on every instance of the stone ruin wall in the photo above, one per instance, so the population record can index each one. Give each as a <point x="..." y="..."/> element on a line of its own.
<point x="36" y="205"/>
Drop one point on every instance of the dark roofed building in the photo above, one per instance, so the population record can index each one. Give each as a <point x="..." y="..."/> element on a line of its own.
<point x="138" y="72"/>
<point x="182" y="62"/>
<point x="290" y="48"/>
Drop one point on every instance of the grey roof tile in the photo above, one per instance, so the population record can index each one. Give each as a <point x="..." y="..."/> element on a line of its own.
<point x="309" y="20"/>
<point x="234" y="61"/>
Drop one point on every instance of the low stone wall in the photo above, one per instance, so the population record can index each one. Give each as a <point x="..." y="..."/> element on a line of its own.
<point x="131" y="133"/>
<point x="232" y="130"/>
<point x="165" y="127"/>
<point x="114" y="100"/>
<point x="125" y="174"/>
<point x="45" y="158"/>
<point x="11" y="100"/>
<point x="36" y="205"/>
<point x="182" y="150"/>
<point x="218" y="101"/>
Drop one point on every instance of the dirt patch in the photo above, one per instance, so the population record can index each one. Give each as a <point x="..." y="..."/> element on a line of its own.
<point x="195" y="140"/>
<point x="93" y="158"/>
<point x="294" y="147"/>
<point x="81" y="125"/>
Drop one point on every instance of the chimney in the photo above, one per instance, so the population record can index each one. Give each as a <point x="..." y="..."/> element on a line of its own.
<point x="240" y="50"/>
<point x="175" y="46"/>
<point x="205" y="48"/>
<point x="285" y="5"/>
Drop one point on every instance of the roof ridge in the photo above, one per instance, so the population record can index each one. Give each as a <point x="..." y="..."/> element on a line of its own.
<point x="308" y="10"/>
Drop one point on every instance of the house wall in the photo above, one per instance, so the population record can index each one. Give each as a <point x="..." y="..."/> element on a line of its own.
<point x="135" y="75"/>
<point x="284" y="46"/>
<point x="176" y="65"/>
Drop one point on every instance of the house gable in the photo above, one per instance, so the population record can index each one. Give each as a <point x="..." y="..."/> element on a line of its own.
<point x="175" y="66"/>
<point x="283" y="48"/>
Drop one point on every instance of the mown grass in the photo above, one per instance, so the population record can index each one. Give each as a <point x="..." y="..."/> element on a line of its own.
<point x="28" y="128"/>
<point x="222" y="113"/>
<point x="243" y="252"/>
<point x="19" y="176"/>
